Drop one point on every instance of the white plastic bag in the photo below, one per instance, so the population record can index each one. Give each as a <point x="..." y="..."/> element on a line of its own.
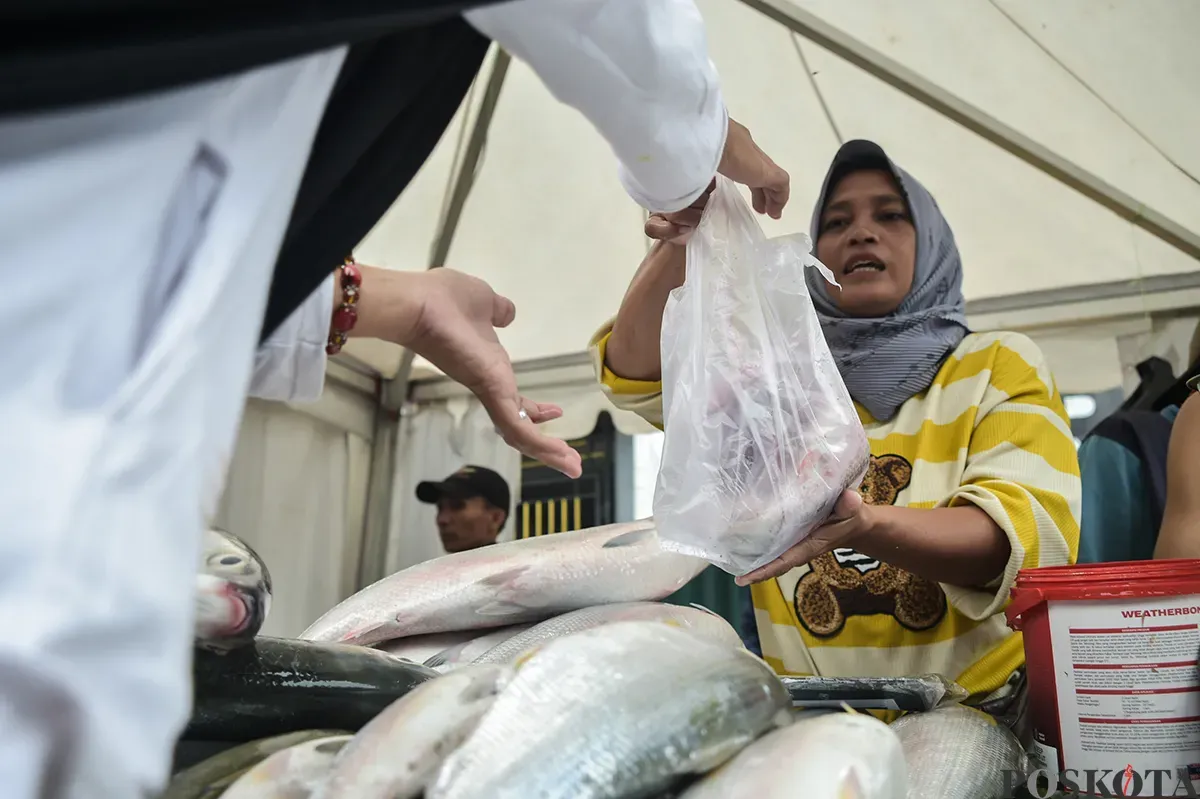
<point x="761" y="434"/>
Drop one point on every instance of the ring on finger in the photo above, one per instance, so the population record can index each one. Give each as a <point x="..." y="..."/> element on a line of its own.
<point x="521" y="414"/>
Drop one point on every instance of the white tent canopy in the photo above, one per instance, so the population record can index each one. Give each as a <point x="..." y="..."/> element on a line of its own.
<point x="1004" y="109"/>
<point x="1109" y="88"/>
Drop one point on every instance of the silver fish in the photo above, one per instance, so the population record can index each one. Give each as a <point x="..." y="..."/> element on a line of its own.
<point x="698" y="620"/>
<point x="233" y="592"/>
<point x="420" y="648"/>
<point x="400" y="751"/>
<point x="461" y="654"/>
<point x="210" y="778"/>
<point x="517" y="581"/>
<point x="622" y="710"/>
<point x="827" y="756"/>
<point x="443" y="650"/>
<point x="957" y="751"/>
<point x="294" y="773"/>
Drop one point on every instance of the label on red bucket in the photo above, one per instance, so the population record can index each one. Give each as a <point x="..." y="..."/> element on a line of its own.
<point x="1127" y="676"/>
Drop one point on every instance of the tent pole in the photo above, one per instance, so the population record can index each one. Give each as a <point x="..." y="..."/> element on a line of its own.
<point x="372" y="561"/>
<point x="396" y="390"/>
<point x="465" y="180"/>
<point x="875" y="63"/>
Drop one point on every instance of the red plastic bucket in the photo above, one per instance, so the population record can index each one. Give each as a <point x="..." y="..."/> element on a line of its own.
<point x="1112" y="653"/>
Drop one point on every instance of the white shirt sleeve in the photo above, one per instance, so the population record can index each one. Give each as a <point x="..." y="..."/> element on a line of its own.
<point x="639" y="71"/>
<point x="290" y="365"/>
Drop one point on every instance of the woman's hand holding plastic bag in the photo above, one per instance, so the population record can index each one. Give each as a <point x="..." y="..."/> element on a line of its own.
<point x="761" y="435"/>
<point x="850" y="519"/>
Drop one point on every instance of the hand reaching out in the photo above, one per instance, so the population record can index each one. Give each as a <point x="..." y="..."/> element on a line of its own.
<point x="678" y="227"/>
<point x="743" y="162"/>
<point x="450" y="318"/>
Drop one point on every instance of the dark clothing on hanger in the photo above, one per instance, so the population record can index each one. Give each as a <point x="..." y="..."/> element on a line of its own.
<point x="1123" y="468"/>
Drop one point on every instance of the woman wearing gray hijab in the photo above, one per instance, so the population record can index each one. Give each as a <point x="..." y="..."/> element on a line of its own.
<point x="973" y="472"/>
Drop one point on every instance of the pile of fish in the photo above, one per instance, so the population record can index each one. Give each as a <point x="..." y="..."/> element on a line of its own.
<point x="512" y="583"/>
<point x="542" y="668"/>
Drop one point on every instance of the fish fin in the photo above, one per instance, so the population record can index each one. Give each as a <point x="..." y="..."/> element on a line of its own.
<point x="503" y="578"/>
<point x="331" y="746"/>
<point x="440" y="659"/>
<point x="706" y="759"/>
<point x="632" y="538"/>
<point x="501" y="608"/>
<point x="706" y="610"/>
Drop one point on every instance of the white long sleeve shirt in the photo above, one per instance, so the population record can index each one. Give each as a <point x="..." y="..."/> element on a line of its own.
<point x="639" y="71"/>
<point x="290" y="365"/>
<point x="130" y="354"/>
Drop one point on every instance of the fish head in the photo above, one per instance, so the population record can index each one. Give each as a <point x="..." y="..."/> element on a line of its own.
<point x="233" y="592"/>
<point x="227" y="617"/>
<point x="230" y="558"/>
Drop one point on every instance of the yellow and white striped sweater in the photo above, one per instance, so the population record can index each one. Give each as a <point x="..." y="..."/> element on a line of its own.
<point x="990" y="431"/>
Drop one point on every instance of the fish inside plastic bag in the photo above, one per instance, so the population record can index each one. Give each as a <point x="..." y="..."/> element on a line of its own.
<point x="761" y="436"/>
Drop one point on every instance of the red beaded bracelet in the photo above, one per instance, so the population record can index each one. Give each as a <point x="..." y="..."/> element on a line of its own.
<point x="346" y="316"/>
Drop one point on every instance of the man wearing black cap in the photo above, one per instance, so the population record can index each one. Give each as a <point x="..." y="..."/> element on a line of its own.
<point x="472" y="507"/>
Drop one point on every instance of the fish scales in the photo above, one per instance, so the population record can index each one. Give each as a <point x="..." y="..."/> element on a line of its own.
<point x="622" y="710"/>
<point x="702" y="622"/>
<point x="293" y="773"/>
<point x="957" y="751"/>
<point x="453" y="648"/>
<point x="465" y="652"/>
<point x="210" y="778"/>
<point x="398" y="753"/>
<point x="824" y="756"/>
<point x="511" y="583"/>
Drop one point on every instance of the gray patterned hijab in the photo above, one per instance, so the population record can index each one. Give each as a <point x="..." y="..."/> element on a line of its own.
<point x="885" y="361"/>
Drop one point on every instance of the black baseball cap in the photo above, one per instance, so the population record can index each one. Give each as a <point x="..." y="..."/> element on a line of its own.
<point x="467" y="482"/>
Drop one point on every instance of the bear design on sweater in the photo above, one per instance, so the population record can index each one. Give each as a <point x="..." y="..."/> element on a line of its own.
<point x="845" y="583"/>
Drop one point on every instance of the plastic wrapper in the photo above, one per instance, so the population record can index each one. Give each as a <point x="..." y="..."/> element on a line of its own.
<point x="761" y="434"/>
<point x="921" y="693"/>
<point x="957" y="751"/>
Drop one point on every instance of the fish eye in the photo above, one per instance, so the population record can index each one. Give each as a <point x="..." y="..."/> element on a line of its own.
<point x="230" y="560"/>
